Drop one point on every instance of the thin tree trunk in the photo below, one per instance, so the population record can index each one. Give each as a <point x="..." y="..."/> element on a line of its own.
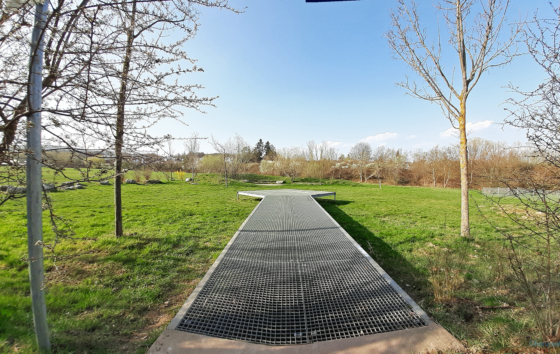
<point x="119" y="136"/>
<point x="225" y="169"/>
<point x="463" y="158"/>
<point x="463" y="153"/>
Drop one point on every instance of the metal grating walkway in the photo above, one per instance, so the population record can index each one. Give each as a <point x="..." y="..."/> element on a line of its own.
<point x="292" y="276"/>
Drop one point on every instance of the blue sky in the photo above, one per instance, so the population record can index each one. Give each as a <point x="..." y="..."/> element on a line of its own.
<point x="289" y="72"/>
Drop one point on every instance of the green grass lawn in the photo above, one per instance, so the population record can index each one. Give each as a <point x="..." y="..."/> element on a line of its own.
<point x="108" y="295"/>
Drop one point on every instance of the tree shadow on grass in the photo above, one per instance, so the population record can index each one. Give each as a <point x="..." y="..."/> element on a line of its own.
<point x="108" y="323"/>
<point x="413" y="281"/>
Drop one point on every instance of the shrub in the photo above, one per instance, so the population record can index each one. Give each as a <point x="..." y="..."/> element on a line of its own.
<point x="446" y="276"/>
<point x="181" y="175"/>
<point x="137" y="177"/>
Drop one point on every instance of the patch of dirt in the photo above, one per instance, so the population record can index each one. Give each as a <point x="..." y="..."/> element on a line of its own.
<point x="523" y="213"/>
<point x="160" y="317"/>
<point x="74" y="271"/>
<point x="157" y="320"/>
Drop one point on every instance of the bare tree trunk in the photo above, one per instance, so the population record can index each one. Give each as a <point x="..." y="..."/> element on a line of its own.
<point x="462" y="120"/>
<point x="119" y="136"/>
<point x="225" y="169"/>
<point x="464" y="161"/>
<point x="118" y="181"/>
<point x="192" y="169"/>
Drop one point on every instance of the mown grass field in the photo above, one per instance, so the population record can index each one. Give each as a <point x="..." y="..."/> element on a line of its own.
<point x="108" y="295"/>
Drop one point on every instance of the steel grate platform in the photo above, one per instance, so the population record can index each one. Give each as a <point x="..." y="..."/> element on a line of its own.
<point x="291" y="276"/>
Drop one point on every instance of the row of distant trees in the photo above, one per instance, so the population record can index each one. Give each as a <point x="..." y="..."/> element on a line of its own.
<point x="490" y="162"/>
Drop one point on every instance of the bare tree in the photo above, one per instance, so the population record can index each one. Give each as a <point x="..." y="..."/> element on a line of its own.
<point x="168" y="160"/>
<point x="192" y="147"/>
<point x="361" y="153"/>
<point x="377" y="164"/>
<point x="432" y="158"/>
<point x="133" y="86"/>
<point x="223" y="150"/>
<point x="537" y="111"/>
<point x="64" y="60"/>
<point x="475" y="39"/>
<point x="532" y="248"/>
<point x="328" y="156"/>
<point x="319" y="159"/>
<point x="240" y="155"/>
<point x="290" y="162"/>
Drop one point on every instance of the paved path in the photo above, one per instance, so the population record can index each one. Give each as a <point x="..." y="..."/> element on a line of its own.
<point x="292" y="275"/>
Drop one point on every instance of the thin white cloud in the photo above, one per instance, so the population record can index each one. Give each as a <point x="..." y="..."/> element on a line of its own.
<point x="412" y="137"/>
<point x="378" y="138"/>
<point x="471" y="128"/>
<point x="333" y="143"/>
<point x="449" y="132"/>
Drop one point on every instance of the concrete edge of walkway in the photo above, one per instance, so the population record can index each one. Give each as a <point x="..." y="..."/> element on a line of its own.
<point x="256" y="195"/>
<point x="179" y="316"/>
<point x="406" y="341"/>
<point x="381" y="271"/>
<point x="248" y="194"/>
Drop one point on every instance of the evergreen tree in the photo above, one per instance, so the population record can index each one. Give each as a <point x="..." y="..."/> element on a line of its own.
<point x="259" y="151"/>
<point x="269" y="150"/>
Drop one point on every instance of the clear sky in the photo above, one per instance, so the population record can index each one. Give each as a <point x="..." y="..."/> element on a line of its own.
<point x="289" y="72"/>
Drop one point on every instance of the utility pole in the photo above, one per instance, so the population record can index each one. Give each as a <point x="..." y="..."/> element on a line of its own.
<point x="34" y="179"/>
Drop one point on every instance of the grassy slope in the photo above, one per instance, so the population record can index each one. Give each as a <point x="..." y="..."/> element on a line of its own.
<point x="119" y="294"/>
